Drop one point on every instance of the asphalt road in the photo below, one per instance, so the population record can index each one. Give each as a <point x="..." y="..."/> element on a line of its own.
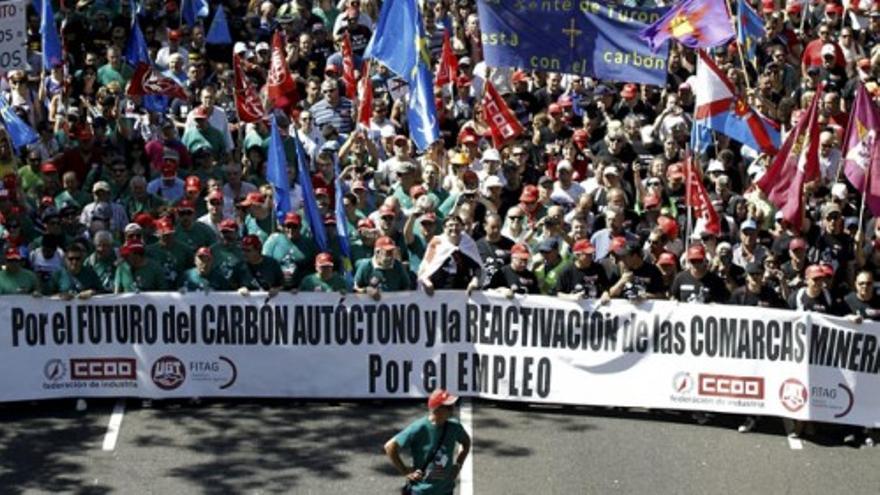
<point x="310" y="447"/>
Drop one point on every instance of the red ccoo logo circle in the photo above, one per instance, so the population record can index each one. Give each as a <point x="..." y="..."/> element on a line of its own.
<point x="168" y="372"/>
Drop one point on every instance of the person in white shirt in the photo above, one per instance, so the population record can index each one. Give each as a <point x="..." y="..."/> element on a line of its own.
<point x="216" y="119"/>
<point x="173" y="46"/>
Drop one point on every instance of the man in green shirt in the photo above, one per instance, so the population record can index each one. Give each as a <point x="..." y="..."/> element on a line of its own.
<point x="291" y="250"/>
<point x="137" y="273"/>
<point x="189" y="232"/>
<point x="203" y="135"/>
<point x="228" y="257"/>
<point x="259" y="220"/>
<point x="204" y="276"/>
<point x="17" y="280"/>
<point x="326" y="279"/>
<point x="103" y="260"/>
<point x="114" y="70"/>
<point x="75" y="279"/>
<point x="381" y="273"/>
<point x="172" y="255"/>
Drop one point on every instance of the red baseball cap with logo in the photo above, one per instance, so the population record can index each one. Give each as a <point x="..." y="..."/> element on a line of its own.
<point x="385" y="243"/>
<point x="193" y="183"/>
<point x="254" y="198"/>
<point x="324" y="259"/>
<point x="583" y="246"/>
<point x="529" y="194"/>
<point x="816" y="271"/>
<point x="441" y="397"/>
<point x="366" y="223"/>
<point x="228" y="225"/>
<point x="292" y="219"/>
<point x="204" y="252"/>
<point x="186" y="204"/>
<point x="667" y="258"/>
<point x="251" y="241"/>
<point x="215" y="194"/>
<point x="13" y="254"/>
<point x="696" y="253"/>
<point x="164" y="226"/>
<point x="132" y="247"/>
<point x="520" y="251"/>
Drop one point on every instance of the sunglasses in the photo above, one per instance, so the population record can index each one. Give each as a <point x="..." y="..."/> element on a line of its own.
<point x="215" y="202"/>
<point x="74" y="258"/>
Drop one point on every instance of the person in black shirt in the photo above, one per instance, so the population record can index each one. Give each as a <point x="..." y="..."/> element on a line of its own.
<point x="583" y="278"/>
<point x="494" y="248"/>
<point x="516" y="278"/>
<point x="863" y="303"/>
<point x="815" y="296"/>
<point x="755" y="292"/>
<point x="638" y="279"/>
<point x="697" y="283"/>
<point x="834" y="247"/>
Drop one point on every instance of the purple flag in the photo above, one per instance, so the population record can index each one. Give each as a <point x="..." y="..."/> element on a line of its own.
<point x="693" y="23"/>
<point x="860" y="149"/>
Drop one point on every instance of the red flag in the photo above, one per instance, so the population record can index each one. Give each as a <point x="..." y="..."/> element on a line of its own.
<point x="365" y="90"/>
<point x="247" y="102"/>
<point x="146" y="81"/>
<point x="502" y="122"/>
<point x="698" y="198"/>
<point x="281" y="87"/>
<point x="448" y="70"/>
<point x="796" y="163"/>
<point x="348" y="76"/>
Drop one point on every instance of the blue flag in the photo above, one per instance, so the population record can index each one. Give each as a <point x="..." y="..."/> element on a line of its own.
<point x="602" y="41"/>
<point x="191" y="10"/>
<point x="342" y="225"/>
<point x="310" y="204"/>
<point x="218" y="34"/>
<point x="276" y="173"/>
<point x="49" y="36"/>
<point x="749" y="30"/>
<point x="402" y="20"/>
<point x="136" y="47"/>
<point x="20" y="133"/>
<point x="701" y="138"/>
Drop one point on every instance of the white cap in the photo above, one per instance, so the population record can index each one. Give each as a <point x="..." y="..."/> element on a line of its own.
<point x="262" y="46"/>
<point x="715" y="166"/>
<point x="492" y="181"/>
<point x="839" y="190"/>
<point x="564" y="164"/>
<point x="610" y="170"/>
<point x="133" y="228"/>
<point x="827" y="49"/>
<point x="491" y="154"/>
<point x="239" y="48"/>
<point x="387" y="131"/>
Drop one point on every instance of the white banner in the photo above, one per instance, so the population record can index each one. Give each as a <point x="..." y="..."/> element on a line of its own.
<point x="13" y="35"/>
<point x="538" y="349"/>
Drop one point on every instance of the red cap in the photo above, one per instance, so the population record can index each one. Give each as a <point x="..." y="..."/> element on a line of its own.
<point x="652" y="201"/>
<point x="205" y="252"/>
<point x="186" y="204"/>
<point x="417" y="191"/>
<point x="696" y="252"/>
<point x="13" y="254"/>
<point x="797" y="243"/>
<point x="816" y="271"/>
<point x="385" y="243"/>
<point x="132" y="247"/>
<point x="667" y="258"/>
<point x="387" y="211"/>
<point x="292" y="219"/>
<point x="174" y="34"/>
<point x="47" y="201"/>
<point x="145" y="220"/>
<point x="164" y="226"/>
<point x="581" y="136"/>
<point x="228" y="225"/>
<point x="833" y="8"/>
<point x="583" y="246"/>
<point x="555" y="109"/>
<point x="329" y="219"/>
<point x="322" y="191"/>
<point x="519" y="76"/>
<point x="668" y="225"/>
<point x="529" y="194"/>
<point x="470" y="176"/>
<point x="767" y="6"/>
<point x="251" y="241"/>
<point x="618" y="243"/>
<point x="629" y="91"/>
<point x="468" y="138"/>
<point x="366" y="223"/>
<point x="794" y="7"/>
<point x="193" y="183"/>
<point x="215" y="194"/>
<point x="463" y="81"/>
<point x="675" y="171"/>
<point x="520" y="251"/>
<point x="324" y="259"/>
<point x="48" y="168"/>
<point x="441" y="397"/>
<point x="254" y="198"/>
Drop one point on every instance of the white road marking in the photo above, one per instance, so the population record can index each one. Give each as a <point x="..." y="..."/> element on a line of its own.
<point x="466" y="477"/>
<point x="114" y="425"/>
<point x="795" y="443"/>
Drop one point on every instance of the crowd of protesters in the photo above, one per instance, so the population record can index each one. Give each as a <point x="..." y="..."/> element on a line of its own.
<point x="588" y="202"/>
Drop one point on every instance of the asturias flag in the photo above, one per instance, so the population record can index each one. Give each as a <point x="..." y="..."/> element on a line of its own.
<point x="694" y="24"/>
<point x="719" y="108"/>
<point x="861" y="147"/>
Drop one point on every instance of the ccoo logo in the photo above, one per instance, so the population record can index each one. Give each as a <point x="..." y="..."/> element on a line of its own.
<point x="168" y="372"/>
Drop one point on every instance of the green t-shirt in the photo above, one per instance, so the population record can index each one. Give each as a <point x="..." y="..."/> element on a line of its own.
<point x="105" y="269"/>
<point x="265" y="275"/>
<point x="419" y="440"/>
<point x="21" y="282"/>
<point x="388" y="280"/>
<point x="314" y="283"/>
<point x="296" y="259"/>
<point x="199" y="235"/>
<point x="107" y="74"/>
<point x="192" y="280"/>
<point x="149" y="277"/>
<point x="227" y="260"/>
<point x="260" y="228"/>
<point x="174" y="260"/>
<point x="195" y="139"/>
<point x="65" y="282"/>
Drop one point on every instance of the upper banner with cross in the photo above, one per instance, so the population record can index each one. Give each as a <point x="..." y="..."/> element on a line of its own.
<point x="588" y="38"/>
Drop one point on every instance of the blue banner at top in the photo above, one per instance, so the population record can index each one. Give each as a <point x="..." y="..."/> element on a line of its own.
<point x="585" y="37"/>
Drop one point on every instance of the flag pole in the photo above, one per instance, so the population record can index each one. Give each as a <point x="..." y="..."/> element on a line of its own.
<point x="737" y="26"/>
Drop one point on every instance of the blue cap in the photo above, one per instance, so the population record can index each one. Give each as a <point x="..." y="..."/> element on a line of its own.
<point x="548" y="245"/>
<point x="748" y="224"/>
